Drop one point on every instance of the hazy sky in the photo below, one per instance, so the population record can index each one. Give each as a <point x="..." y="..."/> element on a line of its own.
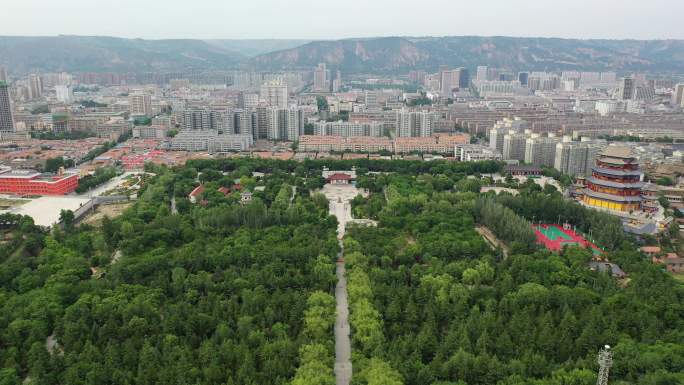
<point x="328" y="19"/>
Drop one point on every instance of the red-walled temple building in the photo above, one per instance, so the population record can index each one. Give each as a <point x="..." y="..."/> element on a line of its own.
<point x="30" y="182"/>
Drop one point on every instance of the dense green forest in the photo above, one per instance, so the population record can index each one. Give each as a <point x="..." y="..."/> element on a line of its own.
<point x="222" y="292"/>
<point x="453" y="311"/>
<point x="193" y="298"/>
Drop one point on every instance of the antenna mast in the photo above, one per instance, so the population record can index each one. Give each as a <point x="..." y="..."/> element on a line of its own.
<point x="605" y="360"/>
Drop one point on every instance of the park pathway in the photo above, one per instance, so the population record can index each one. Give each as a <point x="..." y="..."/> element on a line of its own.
<point x="339" y="198"/>
<point x="343" y="366"/>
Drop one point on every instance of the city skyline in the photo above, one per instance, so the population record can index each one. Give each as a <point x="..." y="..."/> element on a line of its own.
<point x="298" y="19"/>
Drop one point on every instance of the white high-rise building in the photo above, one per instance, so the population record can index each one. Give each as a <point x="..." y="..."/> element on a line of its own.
<point x="626" y="88"/>
<point x="414" y="124"/>
<point x="65" y="94"/>
<point x="321" y="79"/>
<point x="203" y="119"/>
<point x="6" y="121"/>
<point x="496" y="138"/>
<point x="274" y="94"/>
<point x="514" y="146"/>
<point x="371" y="99"/>
<point x="337" y="82"/>
<point x="577" y="158"/>
<point x="285" y="123"/>
<point x="678" y="95"/>
<point x="606" y="107"/>
<point x="140" y="104"/>
<point x="242" y="123"/>
<point x="482" y="73"/>
<point x="261" y="122"/>
<point x="35" y="86"/>
<point x="448" y="81"/>
<point x="3" y="74"/>
<point x="502" y="128"/>
<point x="541" y="151"/>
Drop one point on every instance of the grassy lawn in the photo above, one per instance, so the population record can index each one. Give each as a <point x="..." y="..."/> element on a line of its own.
<point x="9" y="203"/>
<point x="679" y="277"/>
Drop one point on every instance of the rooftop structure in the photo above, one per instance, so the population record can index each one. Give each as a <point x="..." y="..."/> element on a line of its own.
<point x="30" y="182"/>
<point x="339" y="178"/>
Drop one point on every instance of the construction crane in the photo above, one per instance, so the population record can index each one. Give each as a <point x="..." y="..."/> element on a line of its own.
<point x="605" y="360"/>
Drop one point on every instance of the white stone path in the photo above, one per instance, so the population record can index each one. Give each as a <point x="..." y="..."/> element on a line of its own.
<point x="340" y="206"/>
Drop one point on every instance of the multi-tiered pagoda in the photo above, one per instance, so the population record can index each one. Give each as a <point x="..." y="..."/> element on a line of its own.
<point x="615" y="182"/>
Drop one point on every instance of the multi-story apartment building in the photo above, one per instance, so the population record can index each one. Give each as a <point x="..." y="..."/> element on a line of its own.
<point x="35" y="86"/>
<point x="576" y="158"/>
<point x="678" y="95"/>
<point x="64" y="93"/>
<point x="502" y="128"/>
<point x="514" y="146"/>
<point x="626" y="88"/>
<point x="209" y="140"/>
<point x="482" y="73"/>
<point x="475" y="153"/>
<point x="371" y="99"/>
<point x="285" y="123"/>
<point x="274" y="94"/>
<point x="540" y="151"/>
<point x="347" y="129"/>
<point x="203" y="119"/>
<point x="140" y="104"/>
<point x="260" y="122"/>
<point x="438" y="144"/>
<point x="321" y="79"/>
<point x="150" y="132"/>
<point x="315" y="143"/>
<point x="448" y="81"/>
<point x="414" y="124"/>
<point x="501" y="88"/>
<point x="240" y="122"/>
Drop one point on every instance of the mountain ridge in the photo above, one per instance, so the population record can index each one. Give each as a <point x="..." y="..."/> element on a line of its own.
<point x="513" y="53"/>
<point x="22" y="54"/>
<point x="369" y="55"/>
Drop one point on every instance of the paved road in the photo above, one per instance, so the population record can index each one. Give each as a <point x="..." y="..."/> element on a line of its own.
<point x="343" y="366"/>
<point x="339" y="198"/>
<point x="109" y="185"/>
<point x="174" y="209"/>
<point x="294" y="192"/>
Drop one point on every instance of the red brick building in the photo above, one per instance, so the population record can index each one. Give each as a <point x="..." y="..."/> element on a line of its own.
<point x="29" y="182"/>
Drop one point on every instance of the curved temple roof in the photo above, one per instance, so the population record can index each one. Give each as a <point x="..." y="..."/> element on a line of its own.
<point x="609" y="197"/>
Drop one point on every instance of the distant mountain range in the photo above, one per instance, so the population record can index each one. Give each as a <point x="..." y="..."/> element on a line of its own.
<point x="110" y="54"/>
<point x="255" y="47"/>
<point x="397" y="54"/>
<point x="352" y="56"/>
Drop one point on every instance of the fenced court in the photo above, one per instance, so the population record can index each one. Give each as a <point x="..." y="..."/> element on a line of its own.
<point x="555" y="237"/>
<point x="553" y="233"/>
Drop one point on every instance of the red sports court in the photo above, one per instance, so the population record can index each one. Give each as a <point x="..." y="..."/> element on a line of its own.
<point x="554" y="237"/>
